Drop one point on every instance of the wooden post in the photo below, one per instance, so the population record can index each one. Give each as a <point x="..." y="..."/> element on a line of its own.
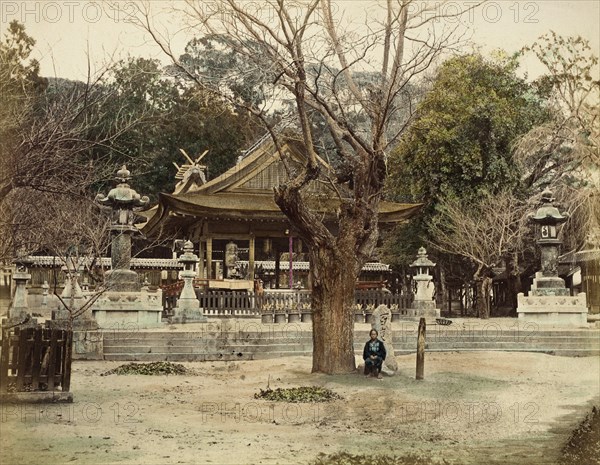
<point x="421" y="350"/>
<point x="251" y="247"/>
<point x="209" y="258"/>
<point x="200" y="271"/>
<point x="277" y="267"/>
<point x="4" y="360"/>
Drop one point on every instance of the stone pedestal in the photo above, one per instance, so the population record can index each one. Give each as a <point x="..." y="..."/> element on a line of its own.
<point x="423" y="309"/>
<point x="547" y="305"/>
<point x="128" y="310"/>
<point x="555" y="310"/>
<point x="188" y="307"/>
<point x="88" y="345"/>
<point x="80" y="317"/>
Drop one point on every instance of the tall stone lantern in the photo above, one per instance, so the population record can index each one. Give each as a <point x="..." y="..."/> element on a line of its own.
<point x="549" y="218"/>
<point x="549" y="301"/>
<point x="423" y="304"/>
<point x="123" y="200"/>
<point x="124" y="304"/>
<point x="188" y="307"/>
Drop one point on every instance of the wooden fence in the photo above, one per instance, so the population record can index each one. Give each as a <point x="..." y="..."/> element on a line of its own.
<point x="278" y="307"/>
<point x="35" y="359"/>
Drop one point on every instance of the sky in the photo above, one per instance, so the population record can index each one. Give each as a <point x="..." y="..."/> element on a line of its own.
<point x="68" y="31"/>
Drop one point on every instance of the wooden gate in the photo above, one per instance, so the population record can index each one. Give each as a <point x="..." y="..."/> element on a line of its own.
<point x="35" y="359"/>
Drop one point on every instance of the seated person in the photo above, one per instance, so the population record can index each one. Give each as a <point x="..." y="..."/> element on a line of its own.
<point x="374" y="355"/>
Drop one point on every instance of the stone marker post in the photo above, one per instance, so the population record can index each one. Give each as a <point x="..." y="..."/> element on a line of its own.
<point x="381" y="320"/>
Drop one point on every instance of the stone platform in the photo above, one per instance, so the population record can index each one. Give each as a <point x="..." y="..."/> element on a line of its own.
<point x="562" y="310"/>
<point x="122" y="310"/>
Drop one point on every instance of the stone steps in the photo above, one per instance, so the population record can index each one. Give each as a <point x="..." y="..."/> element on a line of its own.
<point x="271" y="343"/>
<point x="307" y="345"/>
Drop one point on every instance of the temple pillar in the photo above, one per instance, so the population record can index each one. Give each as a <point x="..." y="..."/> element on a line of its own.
<point x="201" y="267"/>
<point x="251" y="246"/>
<point x="209" y="258"/>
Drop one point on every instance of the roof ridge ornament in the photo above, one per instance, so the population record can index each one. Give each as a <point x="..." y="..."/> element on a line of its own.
<point x="191" y="175"/>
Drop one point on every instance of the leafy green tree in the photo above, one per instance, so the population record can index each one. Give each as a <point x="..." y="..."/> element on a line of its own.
<point x="460" y="142"/>
<point x="459" y="150"/>
<point x="213" y="60"/>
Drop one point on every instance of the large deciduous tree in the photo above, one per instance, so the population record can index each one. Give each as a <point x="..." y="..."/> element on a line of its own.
<point x="316" y="55"/>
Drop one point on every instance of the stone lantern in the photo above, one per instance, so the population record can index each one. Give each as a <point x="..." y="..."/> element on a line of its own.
<point x="549" y="301"/>
<point x="188" y="307"/>
<point x="423" y="304"/>
<point x="549" y="218"/>
<point x="422" y="277"/>
<point x="123" y="200"/>
<point x="123" y="303"/>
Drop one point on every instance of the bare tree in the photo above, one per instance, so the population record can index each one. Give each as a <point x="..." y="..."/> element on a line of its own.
<point x="569" y="143"/>
<point x="62" y="143"/>
<point x="565" y="152"/>
<point x="352" y="71"/>
<point x="486" y="233"/>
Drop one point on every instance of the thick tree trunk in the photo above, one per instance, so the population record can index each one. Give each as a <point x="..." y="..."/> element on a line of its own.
<point x="335" y="262"/>
<point x="333" y="315"/>
<point x="336" y="259"/>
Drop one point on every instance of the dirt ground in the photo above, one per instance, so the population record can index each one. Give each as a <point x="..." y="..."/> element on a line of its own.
<point x="472" y="408"/>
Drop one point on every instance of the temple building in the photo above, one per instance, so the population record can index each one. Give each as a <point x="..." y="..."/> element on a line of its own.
<point x="238" y="229"/>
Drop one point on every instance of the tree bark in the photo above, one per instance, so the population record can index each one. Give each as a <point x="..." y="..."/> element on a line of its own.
<point x="484" y="286"/>
<point x="335" y="262"/>
<point x="333" y="315"/>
